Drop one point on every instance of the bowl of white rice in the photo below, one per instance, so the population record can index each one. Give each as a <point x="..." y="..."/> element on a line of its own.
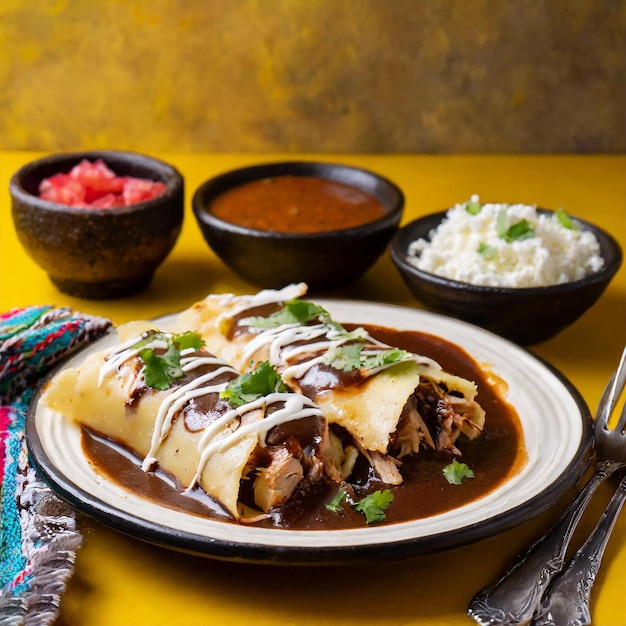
<point x="522" y="272"/>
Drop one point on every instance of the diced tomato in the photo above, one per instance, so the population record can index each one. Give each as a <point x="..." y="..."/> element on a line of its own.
<point x="96" y="185"/>
<point x="106" y="202"/>
<point x="139" y="190"/>
<point x="64" y="189"/>
<point x="97" y="179"/>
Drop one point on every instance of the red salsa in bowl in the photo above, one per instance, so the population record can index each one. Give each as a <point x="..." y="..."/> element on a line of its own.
<point x="300" y="221"/>
<point x="297" y="204"/>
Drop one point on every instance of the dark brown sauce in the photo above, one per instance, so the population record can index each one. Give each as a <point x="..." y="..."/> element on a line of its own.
<point x="296" y="204"/>
<point x="496" y="455"/>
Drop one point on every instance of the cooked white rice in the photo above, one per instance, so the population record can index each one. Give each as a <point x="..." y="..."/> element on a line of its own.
<point x="554" y="254"/>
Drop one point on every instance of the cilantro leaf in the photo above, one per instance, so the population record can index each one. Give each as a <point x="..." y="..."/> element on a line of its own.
<point x="349" y="357"/>
<point x="252" y="385"/>
<point x="345" y="358"/>
<point x="565" y="220"/>
<point x="335" y="504"/>
<point x="473" y="207"/>
<point x="456" y="472"/>
<point x="520" y="231"/>
<point x="486" y="251"/>
<point x="188" y="340"/>
<point x="516" y="232"/>
<point x="303" y="311"/>
<point x="385" y="357"/>
<point x="374" y="505"/>
<point x="160" y="371"/>
<point x="294" y="312"/>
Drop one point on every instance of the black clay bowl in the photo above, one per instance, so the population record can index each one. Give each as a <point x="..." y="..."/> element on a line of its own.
<point x="98" y="253"/>
<point x="321" y="259"/>
<point x="527" y="315"/>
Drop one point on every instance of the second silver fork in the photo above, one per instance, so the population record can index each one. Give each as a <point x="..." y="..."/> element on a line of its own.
<point x="515" y="597"/>
<point x="568" y="598"/>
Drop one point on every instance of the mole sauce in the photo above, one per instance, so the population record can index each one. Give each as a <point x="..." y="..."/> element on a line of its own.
<point x="494" y="456"/>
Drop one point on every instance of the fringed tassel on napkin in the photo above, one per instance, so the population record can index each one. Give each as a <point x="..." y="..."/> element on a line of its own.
<point x="39" y="538"/>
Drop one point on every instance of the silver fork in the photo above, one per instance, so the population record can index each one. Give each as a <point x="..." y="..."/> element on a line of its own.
<point x="568" y="598"/>
<point x="515" y="597"/>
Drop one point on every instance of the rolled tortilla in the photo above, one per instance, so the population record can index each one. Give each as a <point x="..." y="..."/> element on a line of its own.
<point x="389" y="402"/>
<point x="188" y="430"/>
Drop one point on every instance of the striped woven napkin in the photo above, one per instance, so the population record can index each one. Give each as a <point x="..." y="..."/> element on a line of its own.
<point x="38" y="538"/>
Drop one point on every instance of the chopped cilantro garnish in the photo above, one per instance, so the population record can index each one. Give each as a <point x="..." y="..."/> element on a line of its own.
<point x="345" y="358"/>
<point x="516" y="232"/>
<point x="188" y="340"/>
<point x="349" y="357"/>
<point x="385" y="357"/>
<point x="161" y="370"/>
<point x="473" y="207"/>
<point x="565" y="220"/>
<point x="294" y="312"/>
<point x="486" y="251"/>
<point x="374" y="505"/>
<point x="252" y="385"/>
<point x="519" y="231"/>
<point x="456" y="472"/>
<point x="335" y="504"/>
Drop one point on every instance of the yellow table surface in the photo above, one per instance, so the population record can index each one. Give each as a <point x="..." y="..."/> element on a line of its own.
<point x="121" y="580"/>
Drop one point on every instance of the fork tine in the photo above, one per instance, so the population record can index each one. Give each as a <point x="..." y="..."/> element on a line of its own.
<point x="612" y="392"/>
<point x="621" y="423"/>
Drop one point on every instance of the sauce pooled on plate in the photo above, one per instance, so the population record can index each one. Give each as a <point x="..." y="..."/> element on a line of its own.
<point x="494" y="457"/>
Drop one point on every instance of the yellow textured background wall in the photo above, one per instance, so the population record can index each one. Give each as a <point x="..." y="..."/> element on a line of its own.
<point x="314" y="75"/>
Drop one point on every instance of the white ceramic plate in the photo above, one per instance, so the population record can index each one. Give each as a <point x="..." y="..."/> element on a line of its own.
<point x="557" y="432"/>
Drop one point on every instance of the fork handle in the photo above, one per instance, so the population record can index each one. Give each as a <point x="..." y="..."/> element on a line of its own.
<point x="568" y="596"/>
<point x="514" y="598"/>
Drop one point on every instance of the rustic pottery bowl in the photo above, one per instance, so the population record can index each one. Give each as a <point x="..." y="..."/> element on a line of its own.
<point x="98" y="253"/>
<point x="322" y="259"/>
<point x="526" y="315"/>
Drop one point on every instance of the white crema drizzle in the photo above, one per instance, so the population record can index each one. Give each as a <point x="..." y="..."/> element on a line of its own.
<point x="295" y="407"/>
<point x="225" y="431"/>
<point x="281" y="339"/>
<point x="289" y="342"/>
<point x="234" y="305"/>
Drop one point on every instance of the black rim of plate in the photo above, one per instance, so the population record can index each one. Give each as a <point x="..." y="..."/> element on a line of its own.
<point x="201" y="545"/>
